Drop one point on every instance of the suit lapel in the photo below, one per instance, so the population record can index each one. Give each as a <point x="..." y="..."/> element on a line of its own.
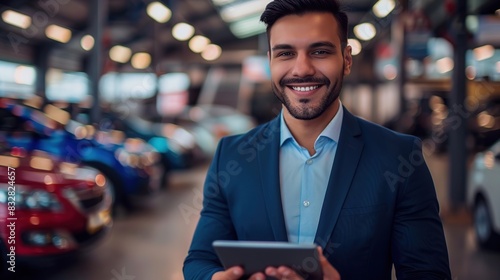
<point x="269" y="175"/>
<point x="344" y="166"/>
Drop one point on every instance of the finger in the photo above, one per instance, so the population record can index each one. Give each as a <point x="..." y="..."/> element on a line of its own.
<point x="257" y="276"/>
<point x="284" y="272"/>
<point x="232" y="273"/>
<point x="271" y="271"/>
<point x="329" y="272"/>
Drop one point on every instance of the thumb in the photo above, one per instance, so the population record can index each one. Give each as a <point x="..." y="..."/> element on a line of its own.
<point x="329" y="272"/>
<point x="232" y="273"/>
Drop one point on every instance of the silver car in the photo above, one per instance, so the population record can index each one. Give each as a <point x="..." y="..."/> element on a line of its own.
<point x="484" y="196"/>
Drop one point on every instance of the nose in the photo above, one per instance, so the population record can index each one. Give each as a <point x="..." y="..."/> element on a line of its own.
<point x="303" y="66"/>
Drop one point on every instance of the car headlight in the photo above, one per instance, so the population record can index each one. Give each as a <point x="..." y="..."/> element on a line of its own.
<point x="33" y="200"/>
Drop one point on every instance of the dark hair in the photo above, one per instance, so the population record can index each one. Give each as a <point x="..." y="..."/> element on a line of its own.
<point x="280" y="8"/>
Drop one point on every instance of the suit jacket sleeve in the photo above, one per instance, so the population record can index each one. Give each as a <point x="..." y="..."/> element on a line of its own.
<point x="214" y="224"/>
<point x="418" y="245"/>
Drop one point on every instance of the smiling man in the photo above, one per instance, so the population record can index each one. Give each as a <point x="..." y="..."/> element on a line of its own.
<point x="318" y="174"/>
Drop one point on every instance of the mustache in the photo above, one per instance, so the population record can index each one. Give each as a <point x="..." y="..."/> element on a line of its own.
<point x="318" y="80"/>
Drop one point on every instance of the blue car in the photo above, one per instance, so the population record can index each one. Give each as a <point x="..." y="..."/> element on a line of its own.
<point x="176" y="145"/>
<point x="129" y="165"/>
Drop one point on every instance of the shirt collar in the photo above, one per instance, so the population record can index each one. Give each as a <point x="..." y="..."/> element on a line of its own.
<point x="332" y="130"/>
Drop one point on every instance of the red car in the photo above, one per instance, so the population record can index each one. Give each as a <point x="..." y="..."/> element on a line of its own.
<point x="48" y="208"/>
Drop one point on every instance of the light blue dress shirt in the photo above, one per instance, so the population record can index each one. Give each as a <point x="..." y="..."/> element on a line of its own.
<point x="304" y="178"/>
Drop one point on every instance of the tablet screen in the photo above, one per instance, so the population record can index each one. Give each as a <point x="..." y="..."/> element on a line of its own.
<point x="255" y="256"/>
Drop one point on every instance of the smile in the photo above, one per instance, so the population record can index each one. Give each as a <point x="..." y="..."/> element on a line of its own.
<point x="305" y="88"/>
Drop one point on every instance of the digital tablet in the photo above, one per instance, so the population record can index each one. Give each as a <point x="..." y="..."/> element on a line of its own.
<point x="255" y="256"/>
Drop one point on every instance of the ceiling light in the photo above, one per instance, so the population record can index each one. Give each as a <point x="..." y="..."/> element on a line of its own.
<point x="383" y="7"/>
<point x="16" y="19"/>
<point x="211" y="52"/>
<point x="365" y="31"/>
<point x="159" y="12"/>
<point x="182" y="31"/>
<point x="390" y="72"/>
<point x="247" y="27"/>
<point x="222" y="2"/>
<point x="198" y="43"/>
<point x="58" y="33"/>
<point x="57" y="114"/>
<point x="470" y="72"/>
<point x="141" y="60"/>
<point x="120" y="54"/>
<point x="472" y="23"/>
<point x="484" y="52"/>
<point x="444" y="65"/>
<point x="242" y="10"/>
<point x="355" y="45"/>
<point x="87" y="42"/>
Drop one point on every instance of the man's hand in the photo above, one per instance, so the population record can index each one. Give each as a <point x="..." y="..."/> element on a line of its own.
<point x="232" y="273"/>
<point x="283" y="272"/>
<point x="236" y="272"/>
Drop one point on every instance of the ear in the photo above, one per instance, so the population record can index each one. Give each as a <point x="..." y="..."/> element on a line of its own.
<point x="347" y="60"/>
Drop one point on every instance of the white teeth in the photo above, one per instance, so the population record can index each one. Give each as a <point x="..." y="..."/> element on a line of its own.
<point x="305" y="88"/>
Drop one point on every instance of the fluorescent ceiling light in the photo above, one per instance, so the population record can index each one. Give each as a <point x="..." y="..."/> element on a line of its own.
<point x="182" y="31"/>
<point x="16" y="19"/>
<point x="141" y="60"/>
<point x="198" y="43"/>
<point x="58" y="33"/>
<point x="383" y="7"/>
<point x="120" y="54"/>
<point x="222" y="2"/>
<point x="484" y="52"/>
<point x="242" y="10"/>
<point x="159" y="12"/>
<point x="365" y="31"/>
<point x="247" y="27"/>
<point x="355" y="45"/>
<point x="87" y="42"/>
<point x="211" y="52"/>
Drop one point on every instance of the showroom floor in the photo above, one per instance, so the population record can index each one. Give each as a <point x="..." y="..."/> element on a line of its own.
<point x="151" y="243"/>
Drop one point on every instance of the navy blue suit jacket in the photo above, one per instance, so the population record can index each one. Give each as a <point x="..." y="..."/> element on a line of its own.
<point x="380" y="206"/>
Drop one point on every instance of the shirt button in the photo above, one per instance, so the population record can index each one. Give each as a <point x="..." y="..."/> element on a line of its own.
<point x="309" y="161"/>
<point x="306" y="203"/>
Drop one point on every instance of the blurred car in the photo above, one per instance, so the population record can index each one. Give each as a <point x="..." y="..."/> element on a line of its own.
<point x="49" y="209"/>
<point x="483" y="196"/>
<point x="430" y="115"/>
<point x="125" y="163"/>
<point x="209" y="123"/>
<point x="176" y="145"/>
<point x="485" y="123"/>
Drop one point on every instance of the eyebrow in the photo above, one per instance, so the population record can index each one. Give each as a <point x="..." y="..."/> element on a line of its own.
<point x="313" y="45"/>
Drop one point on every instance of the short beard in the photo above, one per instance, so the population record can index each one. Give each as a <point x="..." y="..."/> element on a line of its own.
<point x="306" y="112"/>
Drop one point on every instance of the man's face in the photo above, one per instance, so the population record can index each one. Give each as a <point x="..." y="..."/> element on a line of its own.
<point x="307" y="63"/>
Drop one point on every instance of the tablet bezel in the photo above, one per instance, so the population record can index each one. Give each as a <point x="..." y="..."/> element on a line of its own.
<point x="255" y="256"/>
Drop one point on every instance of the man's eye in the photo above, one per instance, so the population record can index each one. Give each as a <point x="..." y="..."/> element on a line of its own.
<point x="284" y="54"/>
<point x="320" y="52"/>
